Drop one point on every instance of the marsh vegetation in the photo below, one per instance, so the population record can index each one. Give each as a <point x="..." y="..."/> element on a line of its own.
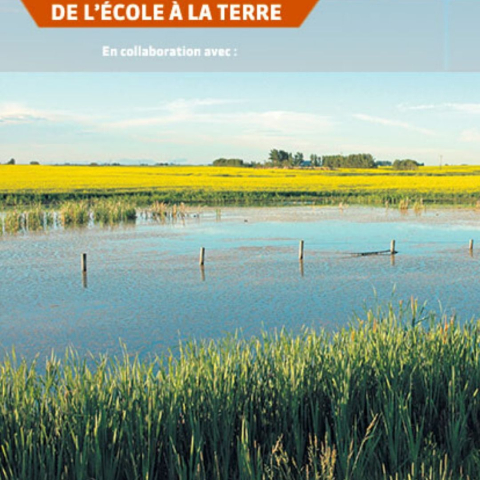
<point x="69" y="213"/>
<point x="394" y="395"/>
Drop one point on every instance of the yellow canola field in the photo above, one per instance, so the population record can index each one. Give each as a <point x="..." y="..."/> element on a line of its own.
<point x="63" y="179"/>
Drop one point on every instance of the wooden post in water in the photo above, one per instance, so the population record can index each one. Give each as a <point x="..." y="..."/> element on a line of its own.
<point x="202" y="257"/>
<point x="470" y="245"/>
<point x="84" y="263"/>
<point x="300" y="250"/>
<point x="392" y="247"/>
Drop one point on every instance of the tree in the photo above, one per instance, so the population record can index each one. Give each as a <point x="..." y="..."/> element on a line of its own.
<point x="357" y="160"/>
<point x="11" y="162"/>
<point x="298" y="159"/>
<point x="406" y="164"/>
<point x="274" y="156"/>
<point x="228" y="162"/>
<point x="281" y="158"/>
<point x="34" y="162"/>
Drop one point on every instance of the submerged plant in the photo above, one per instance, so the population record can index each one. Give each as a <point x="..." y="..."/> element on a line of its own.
<point x="74" y="213"/>
<point x="111" y="211"/>
<point x="162" y="212"/>
<point x="35" y="218"/>
<point x="13" y="222"/>
<point x="404" y="205"/>
<point x="419" y="207"/>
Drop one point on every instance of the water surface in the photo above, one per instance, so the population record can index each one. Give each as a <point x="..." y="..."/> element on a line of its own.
<point x="145" y="288"/>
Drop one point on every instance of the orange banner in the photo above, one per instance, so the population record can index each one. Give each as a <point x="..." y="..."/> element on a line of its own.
<point x="173" y="14"/>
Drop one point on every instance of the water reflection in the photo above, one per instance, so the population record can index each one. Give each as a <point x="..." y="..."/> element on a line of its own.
<point x="302" y="270"/>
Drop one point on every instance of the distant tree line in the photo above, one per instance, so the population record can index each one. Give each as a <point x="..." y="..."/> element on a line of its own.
<point x="281" y="158"/>
<point x="285" y="159"/>
<point x="357" y="160"/>
<point x="13" y="162"/>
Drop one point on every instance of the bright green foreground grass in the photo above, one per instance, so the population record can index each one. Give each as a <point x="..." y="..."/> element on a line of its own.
<point x="376" y="400"/>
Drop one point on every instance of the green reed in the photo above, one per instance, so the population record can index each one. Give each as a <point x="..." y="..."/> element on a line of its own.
<point x="394" y="396"/>
<point x="37" y="218"/>
<point x="243" y="198"/>
<point x="74" y="213"/>
<point x="13" y="221"/>
<point x="33" y="219"/>
<point x="102" y="211"/>
<point x="163" y="212"/>
<point x="111" y="211"/>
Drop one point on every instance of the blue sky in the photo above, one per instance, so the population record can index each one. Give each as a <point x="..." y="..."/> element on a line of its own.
<point x="195" y="118"/>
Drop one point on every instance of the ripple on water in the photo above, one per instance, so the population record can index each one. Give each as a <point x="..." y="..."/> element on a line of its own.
<point x="144" y="285"/>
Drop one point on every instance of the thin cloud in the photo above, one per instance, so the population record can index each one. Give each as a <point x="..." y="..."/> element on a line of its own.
<point x="11" y="114"/>
<point x="470" y="136"/>
<point x="287" y="122"/>
<point x="176" y="111"/>
<point x="469" y="108"/>
<point x="191" y="104"/>
<point x="19" y="118"/>
<point x="393" y="123"/>
<point x="188" y="104"/>
<point x="200" y="115"/>
<point x="15" y="114"/>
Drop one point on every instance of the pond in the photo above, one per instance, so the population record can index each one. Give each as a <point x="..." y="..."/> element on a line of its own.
<point x="145" y="288"/>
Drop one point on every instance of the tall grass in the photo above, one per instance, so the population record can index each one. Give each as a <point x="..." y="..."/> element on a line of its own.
<point x="246" y="198"/>
<point x="162" y="212"/>
<point x="111" y="211"/>
<point x="74" y="213"/>
<point x="392" y="396"/>
<point x="102" y="211"/>
<point x="13" y="221"/>
<point x="33" y="219"/>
